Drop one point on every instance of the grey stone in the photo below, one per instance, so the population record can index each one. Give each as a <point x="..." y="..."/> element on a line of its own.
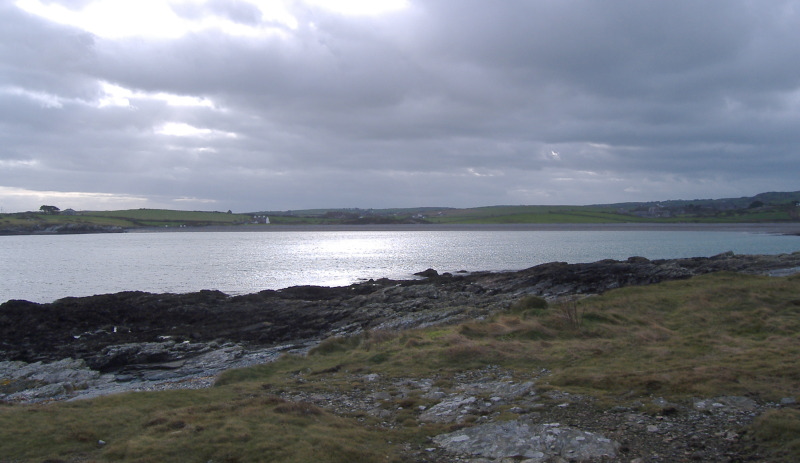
<point x="37" y="381"/>
<point x="726" y="404"/>
<point x="520" y="439"/>
<point x="434" y="395"/>
<point x="449" y="410"/>
<point x="382" y="395"/>
<point x="499" y="390"/>
<point x="70" y="378"/>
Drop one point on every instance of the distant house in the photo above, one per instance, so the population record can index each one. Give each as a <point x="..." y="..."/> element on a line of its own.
<point x="657" y="211"/>
<point x="260" y="219"/>
<point x="69" y="212"/>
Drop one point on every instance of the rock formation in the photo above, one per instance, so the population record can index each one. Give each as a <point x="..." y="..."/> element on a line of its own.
<point x="164" y="328"/>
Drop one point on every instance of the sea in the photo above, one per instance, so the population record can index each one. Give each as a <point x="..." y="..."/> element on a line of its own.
<point x="43" y="268"/>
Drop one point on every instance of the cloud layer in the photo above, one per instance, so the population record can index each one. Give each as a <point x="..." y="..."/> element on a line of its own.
<point x="257" y="105"/>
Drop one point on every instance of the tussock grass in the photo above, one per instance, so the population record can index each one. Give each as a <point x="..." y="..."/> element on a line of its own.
<point x="220" y="424"/>
<point x="779" y="432"/>
<point x="714" y="335"/>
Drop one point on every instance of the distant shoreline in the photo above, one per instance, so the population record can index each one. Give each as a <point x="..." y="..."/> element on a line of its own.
<point x="770" y="228"/>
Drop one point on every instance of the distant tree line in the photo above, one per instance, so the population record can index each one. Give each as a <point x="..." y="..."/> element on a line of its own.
<point x="50" y="210"/>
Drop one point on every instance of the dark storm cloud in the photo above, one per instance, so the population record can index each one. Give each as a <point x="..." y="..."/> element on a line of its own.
<point x="445" y="102"/>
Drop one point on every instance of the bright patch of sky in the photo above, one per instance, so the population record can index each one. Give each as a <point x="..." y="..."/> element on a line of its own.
<point x="361" y="7"/>
<point x="114" y="19"/>
<point x="75" y="199"/>
<point x="45" y="99"/>
<point x="180" y="129"/>
<point x="114" y="95"/>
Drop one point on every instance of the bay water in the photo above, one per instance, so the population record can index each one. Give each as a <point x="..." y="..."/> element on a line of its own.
<point x="42" y="268"/>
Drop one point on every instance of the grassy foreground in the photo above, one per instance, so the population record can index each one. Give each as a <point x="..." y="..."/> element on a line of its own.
<point x="713" y="335"/>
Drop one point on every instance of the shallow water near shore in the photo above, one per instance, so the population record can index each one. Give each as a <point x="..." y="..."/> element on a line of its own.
<point x="45" y="268"/>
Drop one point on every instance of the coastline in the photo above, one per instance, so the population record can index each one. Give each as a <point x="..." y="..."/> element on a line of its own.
<point x="136" y="340"/>
<point x="777" y="236"/>
<point x="789" y="228"/>
<point x="82" y="348"/>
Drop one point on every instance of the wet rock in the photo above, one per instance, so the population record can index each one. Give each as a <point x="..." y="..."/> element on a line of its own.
<point x="161" y="355"/>
<point x="429" y="273"/>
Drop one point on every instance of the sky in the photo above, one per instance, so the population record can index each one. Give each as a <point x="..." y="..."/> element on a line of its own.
<point x="258" y="105"/>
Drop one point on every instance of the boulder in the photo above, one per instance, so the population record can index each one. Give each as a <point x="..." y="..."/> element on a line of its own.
<point x="429" y="273"/>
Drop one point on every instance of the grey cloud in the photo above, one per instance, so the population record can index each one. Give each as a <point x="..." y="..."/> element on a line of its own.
<point x="43" y="57"/>
<point x="449" y="102"/>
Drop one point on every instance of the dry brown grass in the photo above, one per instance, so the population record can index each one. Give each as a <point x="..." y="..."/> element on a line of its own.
<point x="778" y="431"/>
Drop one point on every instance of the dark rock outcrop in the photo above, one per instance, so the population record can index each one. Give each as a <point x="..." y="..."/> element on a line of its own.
<point x="93" y="328"/>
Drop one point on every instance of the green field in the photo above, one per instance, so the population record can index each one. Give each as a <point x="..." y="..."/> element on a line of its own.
<point x="766" y="207"/>
<point x="602" y="214"/>
<point x="532" y="214"/>
<point x="128" y="219"/>
<point x="782" y="207"/>
<point x="170" y="218"/>
<point x="713" y="335"/>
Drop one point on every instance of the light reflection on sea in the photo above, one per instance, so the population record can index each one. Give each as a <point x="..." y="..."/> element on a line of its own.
<point x="45" y="268"/>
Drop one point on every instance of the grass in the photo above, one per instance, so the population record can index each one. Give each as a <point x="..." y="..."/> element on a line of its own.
<point x="779" y="432"/>
<point x="133" y="218"/>
<point x="598" y="214"/>
<point x="164" y="217"/>
<point x="292" y="220"/>
<point x="532" y="214"/>
<point x="226" y="424"/>
<point x="713" y="335"/>
<point x="590" y="215"/>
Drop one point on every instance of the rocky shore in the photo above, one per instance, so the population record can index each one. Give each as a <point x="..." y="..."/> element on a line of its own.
<point x="60" y="229"/>
<point x="84" y="347"/>
<point x="136" y="339"/>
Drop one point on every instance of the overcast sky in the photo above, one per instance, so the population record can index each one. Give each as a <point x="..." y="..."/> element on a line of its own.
<point x="255" y="105"/>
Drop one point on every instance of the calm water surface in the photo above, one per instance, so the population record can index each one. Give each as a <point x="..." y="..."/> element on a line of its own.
<point x="45" y="268"/>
